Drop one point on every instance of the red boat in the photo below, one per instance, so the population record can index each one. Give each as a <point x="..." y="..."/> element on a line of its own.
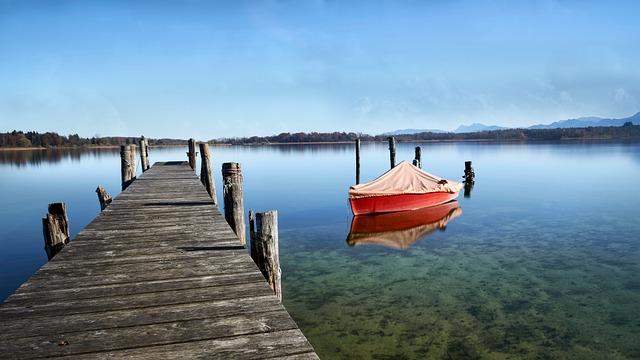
<point x="405" y="187"/>
<point x="399" y="230"/>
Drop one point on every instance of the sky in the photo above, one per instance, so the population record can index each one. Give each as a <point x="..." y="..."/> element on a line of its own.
<point x="213" y="69"/>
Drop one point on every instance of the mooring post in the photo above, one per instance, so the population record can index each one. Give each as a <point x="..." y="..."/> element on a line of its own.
<point x="127" y="165"/>
<point x="357" y="161"/>
<point x="192" y="154"/>
<point x="132" y="153"/>
<point x="392" y="151"/>
<point x="205" y="172"/>
<point x="103" y="197"/>
<point x="418" y="158"/>
<point x="252" y="236"/>
<point x="469" y="173"/>
<point x="55" y="228"/>
<point x="144" y="154"/>
<point x="233" y="201"/>
<point x="267" y="253"/>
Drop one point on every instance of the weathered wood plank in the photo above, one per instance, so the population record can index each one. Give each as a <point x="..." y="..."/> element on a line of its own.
<point x="255" y="346"/>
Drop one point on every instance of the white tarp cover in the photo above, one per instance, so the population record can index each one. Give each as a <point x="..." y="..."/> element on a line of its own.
<point x="404" y="178"/>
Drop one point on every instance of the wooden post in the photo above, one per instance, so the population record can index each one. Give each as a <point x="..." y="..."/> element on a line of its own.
<point x="392" y="151"/>
<point x="252" y="236"/>
<point x="267" y="253"/>
<point x="104" y="198"/>
<point x="132" y="152"/>
<point x="127" y="165"/>
<point x="418" y="158"/>
<point x="205" y="172"/>
<point x="144" y="154"/>
<point x="357" y="161"/>
<point x="233" y="201"/>
<point x="192" y="154"/>
<point x="55" y="228"/>
<point x="469" y="174"/>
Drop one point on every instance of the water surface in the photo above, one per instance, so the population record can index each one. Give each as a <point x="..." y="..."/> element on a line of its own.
<point x="542" y="262"/>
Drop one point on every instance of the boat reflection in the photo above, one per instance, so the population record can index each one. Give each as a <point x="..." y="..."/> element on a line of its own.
<point x="399" y="230"/>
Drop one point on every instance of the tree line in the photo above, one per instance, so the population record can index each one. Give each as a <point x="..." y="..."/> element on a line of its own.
<point x="52" y="139"/>
<point x="627" y="131"/>
<point x="21" y="139"/>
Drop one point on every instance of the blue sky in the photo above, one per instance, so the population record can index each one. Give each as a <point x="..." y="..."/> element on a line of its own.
<point x="209" y="69"/>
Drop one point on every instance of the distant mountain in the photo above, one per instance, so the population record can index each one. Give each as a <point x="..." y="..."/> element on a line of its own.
<point x="562" y="124"/>
<point x="413" y="131"/>
<point x="477" y="127"/>
<point x="588" y="121"/>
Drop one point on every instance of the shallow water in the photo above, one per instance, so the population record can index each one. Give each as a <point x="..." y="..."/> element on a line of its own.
<point x="542" y="262"/>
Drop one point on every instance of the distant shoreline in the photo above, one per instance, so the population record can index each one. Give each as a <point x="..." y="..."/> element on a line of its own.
<point x="78" y="147"/>
<point x="496" y="141"/>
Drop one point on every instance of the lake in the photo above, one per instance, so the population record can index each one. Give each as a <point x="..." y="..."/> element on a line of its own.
<point x="541" y="261"/>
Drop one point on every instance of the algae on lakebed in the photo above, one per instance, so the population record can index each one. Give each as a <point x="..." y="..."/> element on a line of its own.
<point x="479" y="290"/>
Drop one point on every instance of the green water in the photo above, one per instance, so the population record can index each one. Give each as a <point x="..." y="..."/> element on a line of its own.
<point x="542" y="263"/>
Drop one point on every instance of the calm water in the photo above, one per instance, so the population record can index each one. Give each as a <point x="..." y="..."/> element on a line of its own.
<point x="543" y="261"/>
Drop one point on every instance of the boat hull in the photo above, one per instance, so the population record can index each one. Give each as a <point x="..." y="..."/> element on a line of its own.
<point x="401" y="202"/>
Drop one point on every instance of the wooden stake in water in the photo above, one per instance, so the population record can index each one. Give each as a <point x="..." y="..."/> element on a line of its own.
<point x="418" y="158"/>
<point x="266" y="252"/>
<point x="233" y="199"/>
<point x="358" y="161"/>
<point x="192" y="154"/>
<point x="144" y="154"/>
<point x="55" y="228"/>
<point x="103" y="197"/>
<point x="205" y="172"/>
<point x="127" y="165"/>
<point x="469" y="173"/>
<point x="392" y="151"/>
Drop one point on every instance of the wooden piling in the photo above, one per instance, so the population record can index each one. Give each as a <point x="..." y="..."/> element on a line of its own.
<point x="418" y="157"/>
<point x="192" y="154"/>
<point x="469" y="173"/>
<point x="392" y="151"/>
<point x="103" y="197"/>
<point x="233" y="198"/>
<point x="252" y="236"/>
<point x="144" y="154"/>
<point x="205" y="172"/>
<point x="267" y="254"/>
<point x="55" y="228"/>
<point x="357" y="161"/>
<point x="127" y="165"/>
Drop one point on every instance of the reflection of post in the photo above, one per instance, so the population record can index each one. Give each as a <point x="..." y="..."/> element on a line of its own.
<point x="392" y="151"/>
<point x="266" y="252"/>
<point x="55" y="228"/>
<point x="127" y="166"/>
<point x="104" y="198"/>
<point x="233" y="202"/>
<point x="467" y="189"/>
<point x="418" y="158"/>
<point x="192" y="154"/>
<point x="357" y="161"/>
<point x="205" y="172"/>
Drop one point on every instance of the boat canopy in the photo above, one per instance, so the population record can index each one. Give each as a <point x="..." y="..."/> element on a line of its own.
<point x="404" y="178"/>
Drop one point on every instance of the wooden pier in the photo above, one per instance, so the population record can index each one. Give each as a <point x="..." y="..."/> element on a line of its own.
<point x="157" y="275"/>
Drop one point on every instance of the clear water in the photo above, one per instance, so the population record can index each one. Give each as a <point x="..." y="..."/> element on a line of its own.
<point x="542" y="263"/>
